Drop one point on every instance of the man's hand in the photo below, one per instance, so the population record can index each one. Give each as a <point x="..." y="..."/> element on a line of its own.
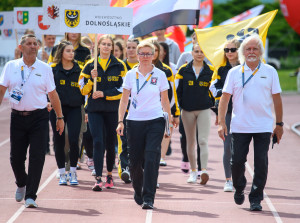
<point x="222" y="130"/>
<point x="278" y="131"/>
<point x="60" y="125"/>
<point x="49" y="107"/>
<point x="98" y="94"/>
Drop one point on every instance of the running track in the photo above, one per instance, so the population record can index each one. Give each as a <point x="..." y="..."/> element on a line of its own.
<point x="176" y="201"/>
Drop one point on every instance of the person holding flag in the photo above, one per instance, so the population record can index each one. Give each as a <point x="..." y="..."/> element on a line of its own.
<point x="102" y="105"/>
<point x="253" y="86"/>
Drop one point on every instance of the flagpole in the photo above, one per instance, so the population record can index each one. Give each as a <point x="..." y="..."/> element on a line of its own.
<point x="17" y="38"/>
<point x="95" y="60"/>
<point x="43" y="44"/>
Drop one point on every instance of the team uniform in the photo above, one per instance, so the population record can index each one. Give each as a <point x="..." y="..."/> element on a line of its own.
<point x="195" y="100"/>
<point x="103" y="112"/>
<point x="29" y="119"/>
<point x="66" y="82"/>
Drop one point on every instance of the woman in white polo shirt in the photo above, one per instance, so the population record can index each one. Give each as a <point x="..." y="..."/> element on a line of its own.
<point x="148" y="87"/>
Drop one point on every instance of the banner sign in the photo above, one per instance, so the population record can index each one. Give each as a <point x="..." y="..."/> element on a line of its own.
<point x="7" y="20"/>
<point x="97" y="19"/>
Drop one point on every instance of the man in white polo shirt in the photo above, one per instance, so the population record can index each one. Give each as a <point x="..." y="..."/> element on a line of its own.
<point x="28" y="81"/>
<point x="253" y="86"/>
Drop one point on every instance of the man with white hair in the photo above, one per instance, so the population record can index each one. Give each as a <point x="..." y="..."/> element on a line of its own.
<point x="253" y="86"/>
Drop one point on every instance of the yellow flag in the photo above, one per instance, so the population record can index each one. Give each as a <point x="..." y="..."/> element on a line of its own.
<point x="120" y="3"/>
<point x="212" y="40"/>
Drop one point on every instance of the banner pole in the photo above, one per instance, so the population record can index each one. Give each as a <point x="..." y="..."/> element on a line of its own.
<point x="43" y="45"/>
<point x="95" y="60"/>
<point x="17" y="38"/>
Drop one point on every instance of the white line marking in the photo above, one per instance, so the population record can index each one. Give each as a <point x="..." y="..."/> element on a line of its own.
<point x="267" y="199"/>
<point x="21" y="209"/>
<point x="149" y="216"/>
<point x="4" y="142"/>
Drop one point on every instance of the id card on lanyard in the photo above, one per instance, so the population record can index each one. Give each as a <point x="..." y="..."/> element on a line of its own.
<point x="249" y="78"/>
<point x="17" y="92"/>
<point x="134" y="101"/>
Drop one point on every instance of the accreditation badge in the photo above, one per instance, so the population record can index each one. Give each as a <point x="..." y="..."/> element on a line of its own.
<point x="134" y="102"/>
<point x="16" y="95"/>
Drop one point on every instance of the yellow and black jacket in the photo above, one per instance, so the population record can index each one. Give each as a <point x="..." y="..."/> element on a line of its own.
<point x="218" y="80"/>
<point x="128" y="65"/>
<point x="66" y="82"/>
<point x="109" y="82"/>
<point x="82" y="55"/>
<point x="194" y="94"/>
<point x="172" y="94"/>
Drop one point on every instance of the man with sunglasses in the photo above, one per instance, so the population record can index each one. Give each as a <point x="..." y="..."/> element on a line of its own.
<point x="253" y="86"/>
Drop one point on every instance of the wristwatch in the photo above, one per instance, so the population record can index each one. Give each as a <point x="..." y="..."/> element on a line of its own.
<point x="62" y="117"/>
<point x="280" y="123"/>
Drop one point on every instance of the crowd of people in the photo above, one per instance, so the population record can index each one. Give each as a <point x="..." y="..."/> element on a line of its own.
<point x="118" y="100"/>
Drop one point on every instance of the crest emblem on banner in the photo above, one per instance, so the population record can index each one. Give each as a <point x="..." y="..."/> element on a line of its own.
<point x="53" y="11"/>
<point x="40" y="23"/>
<point x="22" y="17"/>
<point x="72" y="18"/>
<point x="1" y="20"/>
<point x="7" y="32"/>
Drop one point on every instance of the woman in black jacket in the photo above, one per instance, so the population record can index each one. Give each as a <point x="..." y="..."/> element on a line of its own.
<point x="102" y="105"/>
<point x="66" y="73"/>
<point x="195" y="100"/>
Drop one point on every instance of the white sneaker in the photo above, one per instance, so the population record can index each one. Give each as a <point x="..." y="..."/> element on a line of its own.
<point x="30" y="203"/>
<point x="193" y="177"/>
<point x="73" y="178"/>
<point x="162" y="162"/>
<point x="94" y="172"/>
<point x="228" y="187"/>
<point x="20" y="193"/>
<point x="63" y="179"/>
<point x="58" y="175"/>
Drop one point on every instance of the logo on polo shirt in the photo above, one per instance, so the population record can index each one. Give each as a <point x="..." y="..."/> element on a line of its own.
<point x="153" y="80"/>
<point x="38" y="75"/>
<point x="191" y="83"/>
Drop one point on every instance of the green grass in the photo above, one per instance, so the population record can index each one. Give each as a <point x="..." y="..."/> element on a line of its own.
<point x="287" y="83"/>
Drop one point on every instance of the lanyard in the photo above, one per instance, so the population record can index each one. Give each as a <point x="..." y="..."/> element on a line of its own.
<point x="108" y="61"/>
<point x="243" y="74"/>
<point x="23" y="78"/>
<point x="137" y="82"/>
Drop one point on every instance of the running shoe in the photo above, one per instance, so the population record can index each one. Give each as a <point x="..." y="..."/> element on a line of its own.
<point x="73" y="179"/>
<point x="204" y="177"/>
<point x="20" y="193"/>
<point x="62" y="179"/>
<point x="30" y="203"/>
<point x="162" y="162"/>
<point x="185" y="167"/>
<point x="109" y="184"/>
<point x="98" y="185"/>
<point x="78" y="166"/>
<point x="193" y="177"/>
<point x="125" y="176"/>
<point x="228" y="187"/>
<point x="90" y="164"/>
<point x="93" y="172"/>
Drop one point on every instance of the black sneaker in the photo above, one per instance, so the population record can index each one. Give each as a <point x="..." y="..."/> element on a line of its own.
<point x="147" y="205"/>
<point x="138" y="199"/>
<point x="239" y="197"/>
<point x="255" y="206"/>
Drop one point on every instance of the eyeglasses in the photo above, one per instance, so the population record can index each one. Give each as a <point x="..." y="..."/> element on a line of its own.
<point x="145" y="54"/>
<point x="106" y="44"/>
<point x="232" y="50"/>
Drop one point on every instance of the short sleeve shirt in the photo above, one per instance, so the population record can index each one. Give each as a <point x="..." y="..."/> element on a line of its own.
<point x="148" y="99"/>
<point x="252" y="104"/>
<point x="39" y="82"/>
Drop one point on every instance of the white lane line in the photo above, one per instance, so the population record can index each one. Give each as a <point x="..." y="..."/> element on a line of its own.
<point x="21" y="209"/>
<point x="149" y="216"/>
<point x="267" y="199"/>
<point x="4" y="142"/>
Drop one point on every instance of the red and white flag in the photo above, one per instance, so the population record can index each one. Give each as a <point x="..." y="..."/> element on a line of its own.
<point x="151" y="15"/>
<point x="251" y="13"/>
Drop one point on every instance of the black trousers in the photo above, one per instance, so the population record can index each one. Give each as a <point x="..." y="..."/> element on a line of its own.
<point x="239" y="150"/>
<point x="30" y="130"/>
<point x="124" y="156"/>
<point x="72" y="117"/>
<point x="144" y="147"/>
<point x="183" y="145"/>
<point x="87" y="142"/>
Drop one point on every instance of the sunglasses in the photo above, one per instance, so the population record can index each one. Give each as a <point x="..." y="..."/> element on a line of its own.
<point x="232" y="50"/>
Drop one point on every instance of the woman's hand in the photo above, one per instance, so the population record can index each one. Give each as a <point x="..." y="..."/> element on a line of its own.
<point x="86" y="119"/>
<point x="94" y="73"/>
<point x="49" y="107"/>
<point x="120" y="129"/>
<point x="98" y="94"/>
<point x="175" y="121"/>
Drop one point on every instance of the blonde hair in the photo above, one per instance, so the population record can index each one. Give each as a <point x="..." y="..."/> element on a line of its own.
<point x="106" y="36"/>
<point x="145" y="43"/>
<point x="236" y="42"/>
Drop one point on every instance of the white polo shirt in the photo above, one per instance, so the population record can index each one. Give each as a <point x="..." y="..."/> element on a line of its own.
<point x="252" y="105"/>
<point x="36" y="88"/>
<point x="148" y="100"/>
